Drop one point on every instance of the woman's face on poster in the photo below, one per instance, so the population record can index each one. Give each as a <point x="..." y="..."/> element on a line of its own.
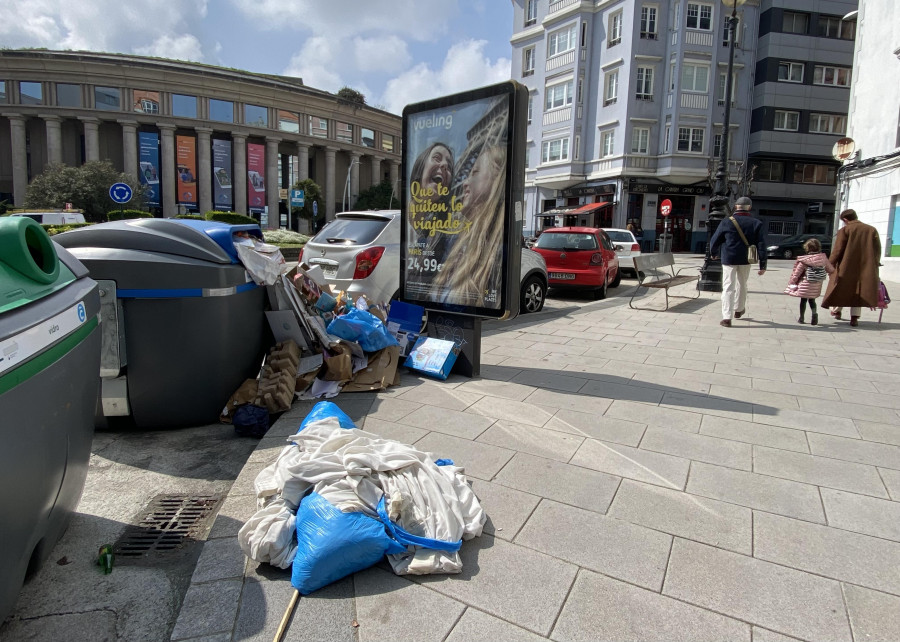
<point x="437" y="168"/>
<point x="478" y="184"/>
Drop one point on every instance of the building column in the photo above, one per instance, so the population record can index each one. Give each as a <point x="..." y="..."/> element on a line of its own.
<point x="130" y="147"/>
<point x="167" y="167"/>
<point x="376" y="170"/>
<point x="302" y="161"/>
<point x="272" y="185"/>
<point x="239" y="180"/>
<point x="204" y="169"/>
<point x="395" y="178"/>
<point x="354" y="180"/>
<point x="91" y="139"/>
<point x="53" y="125"/>
<point x="329" y="183"/>
<point x="17" y="143"/>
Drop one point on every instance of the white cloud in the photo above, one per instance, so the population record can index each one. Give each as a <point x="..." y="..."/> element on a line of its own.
<point x="388" y="54"/>
<point x="314" y="64"/>
<point x="464" y="67"/>
<point x="183" y="47"/>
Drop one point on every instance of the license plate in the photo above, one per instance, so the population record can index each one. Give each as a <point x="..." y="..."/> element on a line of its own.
<point x="562" y="276"/>
<point x="329" y="273"/>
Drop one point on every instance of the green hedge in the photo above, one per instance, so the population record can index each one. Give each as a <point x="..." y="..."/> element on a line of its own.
<point x="59" y="229"/>
<point x="121" y="215"/>
<point x="193" y="217"/>
<point x="232" y="218"/>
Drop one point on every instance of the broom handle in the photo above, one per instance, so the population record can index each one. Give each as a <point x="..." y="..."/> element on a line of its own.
<point x="287" y="616"/>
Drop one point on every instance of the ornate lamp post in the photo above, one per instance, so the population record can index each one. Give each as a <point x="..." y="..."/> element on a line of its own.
<point x="711" y="272"/>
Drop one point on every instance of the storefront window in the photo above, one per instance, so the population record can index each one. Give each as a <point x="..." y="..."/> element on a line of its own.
<point x="68" y="95"/>
<point x="31" y="93"/>
<point x="221" y="110"/>
<point x="387" y="142"/>
<point x="184" y="106"/>
<point x="256" y="115"/>
<point x="343" y="132"/>
<point x="318" y="127"/>
<point x="146" y="102"/>
<point x="107" y="98"/>
<point x="368" y="137"/>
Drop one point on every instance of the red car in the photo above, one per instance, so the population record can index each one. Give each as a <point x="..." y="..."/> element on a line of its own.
<point x="579" y="257"/>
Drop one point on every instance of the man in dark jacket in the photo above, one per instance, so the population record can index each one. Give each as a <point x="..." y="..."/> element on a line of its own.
<point x="735" y="265"/>
<point x="856" y="256"/>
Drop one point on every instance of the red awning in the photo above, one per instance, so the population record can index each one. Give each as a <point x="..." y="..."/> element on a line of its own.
<point x="590" y="207"/>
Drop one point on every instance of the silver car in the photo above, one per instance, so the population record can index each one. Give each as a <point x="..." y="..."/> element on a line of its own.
<point x="359" y="252"/>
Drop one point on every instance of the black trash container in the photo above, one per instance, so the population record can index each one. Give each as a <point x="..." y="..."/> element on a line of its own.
<point x="49" y="383"/>
<point x="187" y="321"/>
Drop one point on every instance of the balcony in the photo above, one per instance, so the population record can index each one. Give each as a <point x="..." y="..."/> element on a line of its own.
<point x="557" y="116"/>
<point x="641" y="161"/>
<point x="703" y="38"/>
<point x="649" y="35"/>
<point x="559" y="5"/>
<point x="695" y="101"/>
<point x="561" y="60"/>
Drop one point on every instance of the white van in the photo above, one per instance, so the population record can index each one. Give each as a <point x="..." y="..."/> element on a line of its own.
<point x="59" y="217"/>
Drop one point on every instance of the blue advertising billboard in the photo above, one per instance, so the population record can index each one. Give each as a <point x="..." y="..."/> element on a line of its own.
<point x="149" y="166"/>
<point x="221" y="175"/>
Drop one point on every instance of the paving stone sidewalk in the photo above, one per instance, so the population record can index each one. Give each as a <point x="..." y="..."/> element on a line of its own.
<point x="646" y="475"/>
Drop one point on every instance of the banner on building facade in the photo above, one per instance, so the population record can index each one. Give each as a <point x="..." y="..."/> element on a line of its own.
<point x="256" y="177"/>
<point x="223" y="199"/>
<point x="149" y="166"/>
<point x="186" y="170"/>
<point x="464" y="161"/>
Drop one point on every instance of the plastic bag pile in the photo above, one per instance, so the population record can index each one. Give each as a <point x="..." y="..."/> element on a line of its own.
<point x="337" y="499"/>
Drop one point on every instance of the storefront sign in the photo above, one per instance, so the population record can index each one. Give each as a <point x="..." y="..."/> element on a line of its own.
<point x="588" y="190"/>
<point x="186" y="170"/>
<point x="689" y="190"/>
<point x="221" y="175"/>
<point x="149" y="166"/>
<point x="256" y="177"/>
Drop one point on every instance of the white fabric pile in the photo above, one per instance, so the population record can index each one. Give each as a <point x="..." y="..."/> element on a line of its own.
<point x="352" y="469"/>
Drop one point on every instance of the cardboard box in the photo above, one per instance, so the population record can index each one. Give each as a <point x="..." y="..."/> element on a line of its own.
<point x="404" y="321"/>
<point x="433" y="357"/>
<point x="380" y="373"/>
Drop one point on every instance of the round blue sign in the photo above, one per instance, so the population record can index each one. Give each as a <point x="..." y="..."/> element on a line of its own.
<point x="120" y="193"/>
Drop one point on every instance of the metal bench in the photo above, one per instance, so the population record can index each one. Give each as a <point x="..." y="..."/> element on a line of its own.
<point x="660" y="279"/>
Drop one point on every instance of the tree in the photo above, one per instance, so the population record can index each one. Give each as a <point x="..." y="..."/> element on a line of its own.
<point x="378" y="197"/>
<point x="86" y="187"/>
<point x="311" y="193"/>
<point x="351" y="95"/>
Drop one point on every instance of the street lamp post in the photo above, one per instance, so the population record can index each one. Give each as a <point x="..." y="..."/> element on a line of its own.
<point x="711" y="272"/>
<point x="346" y="195"/>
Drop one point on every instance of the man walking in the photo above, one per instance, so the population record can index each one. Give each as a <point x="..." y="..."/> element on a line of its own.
<point x="855" y="256"/>
<point x="735" y="235"/>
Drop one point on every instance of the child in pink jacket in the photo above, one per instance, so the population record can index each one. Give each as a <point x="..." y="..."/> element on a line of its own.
<point x="807" y="277"/>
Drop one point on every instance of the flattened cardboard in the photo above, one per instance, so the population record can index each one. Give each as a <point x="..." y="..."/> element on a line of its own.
<point x="339" y="366"/>
<point x="380" y="373"/>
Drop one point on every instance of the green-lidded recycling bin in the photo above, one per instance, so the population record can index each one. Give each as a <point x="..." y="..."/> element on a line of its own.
<point x="186" y="324"/>
<point x="49" y="384"/>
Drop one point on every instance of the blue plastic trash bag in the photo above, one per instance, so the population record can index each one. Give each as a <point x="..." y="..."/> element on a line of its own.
<point x="324" y="410"/>
<point x="364" y="328"/>
<point x="332" y="544"/>
<point x="251" y="421"/>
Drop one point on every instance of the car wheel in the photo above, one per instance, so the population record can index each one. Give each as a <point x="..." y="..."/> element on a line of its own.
<point x="600" y="293"/>
<point x="788" y="254"/>
<point x="533" y="294"/>
<point x="617" y="280"/>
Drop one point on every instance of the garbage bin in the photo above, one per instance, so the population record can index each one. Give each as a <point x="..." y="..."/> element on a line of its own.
<point x="49" y="382"/>
<point x="187" y="322"/>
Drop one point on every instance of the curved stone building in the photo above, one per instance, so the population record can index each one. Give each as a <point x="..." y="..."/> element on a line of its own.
<point x="200" y="137"/>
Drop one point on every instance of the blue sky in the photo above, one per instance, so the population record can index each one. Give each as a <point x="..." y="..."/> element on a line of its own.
<point x="394" y="51"/>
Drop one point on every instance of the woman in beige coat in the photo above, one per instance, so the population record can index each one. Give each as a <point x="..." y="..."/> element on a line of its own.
<point x="855" y="256"/>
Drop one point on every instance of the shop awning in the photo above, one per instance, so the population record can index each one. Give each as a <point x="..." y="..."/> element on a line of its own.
<point x="590" y="207"/>
<point x="559" y="211"/>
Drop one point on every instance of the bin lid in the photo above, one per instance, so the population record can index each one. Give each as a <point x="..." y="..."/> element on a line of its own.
<point x="203" y="240"/>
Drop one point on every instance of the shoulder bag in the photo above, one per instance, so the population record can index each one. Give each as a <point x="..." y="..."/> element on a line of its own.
<point x="752" y="257"/>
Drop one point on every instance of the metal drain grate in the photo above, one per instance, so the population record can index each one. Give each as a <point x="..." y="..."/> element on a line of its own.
<point x="168" y="521"/>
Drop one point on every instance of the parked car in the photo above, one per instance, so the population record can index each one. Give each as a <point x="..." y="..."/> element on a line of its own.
<point x="791" y="246"/>
<point x="55" y="217"/>
<point x="626" y="247"/>
<point x="359" y="252"/>
<point x="579" y="258"/>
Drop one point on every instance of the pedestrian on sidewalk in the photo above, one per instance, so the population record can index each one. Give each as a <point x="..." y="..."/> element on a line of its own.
<point x="807" y="277"/>
<point x="735" y="236"/>
<point x="855" y="256"/>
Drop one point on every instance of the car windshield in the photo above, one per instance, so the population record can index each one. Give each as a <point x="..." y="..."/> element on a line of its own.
<point x="618" y="236"/>
<point x="566" y="241"/>
<point x="357" y="231"/>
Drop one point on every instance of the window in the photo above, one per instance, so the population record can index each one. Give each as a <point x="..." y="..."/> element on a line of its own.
<point x="726" y="37"/>
<point x="608" y="144"/>
<point x="561" y="41"/>
<point x="695" y="78"/>
<point x="318" y="127"/>
<point x="672" y="76"/>
<point x="811" y="173"/>
<point x="640" y="140"/>
<point x="612" y="88"/>
<point x="288" y="121"/>
<point x="699" y="16"/>
<point x="256" y="115"/>
<point x="146" y="102"/>
<point x="784" y="228"/>
<point x="530" y="108"/>
<point x="555" y="150"/>
<point x="717" y="145"/>
<point x="577" y="147"/>
<point x="184" y="106"/>
<point x="720" y="95"/>
<point x="528" y="62"/>
<point x="827" y="124"/>
<point x="648" y="23"/>
<point x="583" y="34"/>
<point x="343" y="132"/>
<point x="3" y="98"/>
<point x="787" y="120"/>
<point x="668" y="137"/>
<point x="690" y="139"/>
<point x="558" y="96"/>
<point x="837" y="76"/>
<point x="106" y="98"/>
<point x="221" y="110"/>
<point x="644" y="83"/>
<point x="387" y="142"/>
<point x="367" y="137"/>
<point x="795" y="22"/>
<point x="68" y="95"/>
<point x="31" y="93"/>
<point x="771" y="171"/>
<point x="834" y="27"/>
<point x="614" y="35"/>
<point x="579" y="93"/>
<point x="790" y="71"/>
<point x="531" y="12"/>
